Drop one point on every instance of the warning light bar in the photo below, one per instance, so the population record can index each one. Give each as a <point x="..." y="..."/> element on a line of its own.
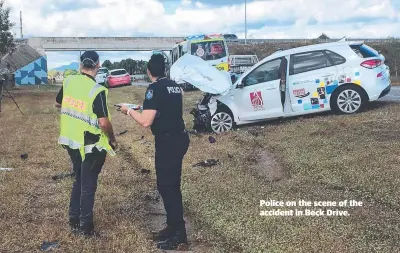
<point x="200" y="36"/>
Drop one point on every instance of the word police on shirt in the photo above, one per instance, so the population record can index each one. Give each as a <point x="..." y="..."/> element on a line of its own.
<point x="174" y="89"/>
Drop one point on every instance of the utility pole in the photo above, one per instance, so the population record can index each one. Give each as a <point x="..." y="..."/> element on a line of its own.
<point x="245" y="22"/>
<point x="20" y="22"/>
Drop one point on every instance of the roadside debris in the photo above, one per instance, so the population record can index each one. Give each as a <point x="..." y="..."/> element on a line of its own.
<point x="193" y="132"/>
<point x="6" y="169"/>
<point x="230" y="156"/>
<point x="47" y="246"/>
<point x="63" y="175"/>
<point x="141" y="138"/>
<point x="144" y="171"/>
<point x="24" y="156"/>
<point x="207" y="163"/>
<point x="212" y="139"/>
<point x="152" y="196"/>
<point x="123" y="132"/>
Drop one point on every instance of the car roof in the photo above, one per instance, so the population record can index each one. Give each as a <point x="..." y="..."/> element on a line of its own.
<point x="311" y="48"/>
<point x="117" y="70"/>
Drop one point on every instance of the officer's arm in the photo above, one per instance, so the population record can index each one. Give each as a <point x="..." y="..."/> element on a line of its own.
<point x="101" y="110"/>
<point x="107" y="128"/>
<point x="150" y="106"/>
<point x="145" y="119"/>
<point x="59" y="98"/>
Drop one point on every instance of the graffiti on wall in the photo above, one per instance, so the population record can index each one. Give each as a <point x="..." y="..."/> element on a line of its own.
<point x="34" y="73"/>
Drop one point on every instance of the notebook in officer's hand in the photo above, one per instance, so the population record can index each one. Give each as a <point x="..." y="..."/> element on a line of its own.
<point x="132" y="106"/>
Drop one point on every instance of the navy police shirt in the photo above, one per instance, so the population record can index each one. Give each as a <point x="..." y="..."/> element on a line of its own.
<point x="165" y="96"/>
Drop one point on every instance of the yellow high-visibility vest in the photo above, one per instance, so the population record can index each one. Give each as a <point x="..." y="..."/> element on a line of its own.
<point x="77" y="116"/>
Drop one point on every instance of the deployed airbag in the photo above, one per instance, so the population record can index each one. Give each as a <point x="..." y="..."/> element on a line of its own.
<point x="197" y="72"/>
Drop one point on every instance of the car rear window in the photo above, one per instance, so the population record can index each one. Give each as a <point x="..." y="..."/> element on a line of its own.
<point x="102" y="71"/>
<point x="364" y="51"/>
<point x="118" y="72"/>
<point x="337" y="59"/>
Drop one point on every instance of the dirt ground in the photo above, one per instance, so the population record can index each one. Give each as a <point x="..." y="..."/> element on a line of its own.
<point x="314" y="158"/>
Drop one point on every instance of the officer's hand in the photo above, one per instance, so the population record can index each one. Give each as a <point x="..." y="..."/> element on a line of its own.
<point x="124" y="109"/>
<point x="114" y="145"/>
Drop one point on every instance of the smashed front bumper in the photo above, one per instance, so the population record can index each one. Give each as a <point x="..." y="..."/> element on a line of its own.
<point x="203" y="112"/>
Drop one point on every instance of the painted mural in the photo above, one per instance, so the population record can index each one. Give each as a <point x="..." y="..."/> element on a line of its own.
<point x="34" y="73"/>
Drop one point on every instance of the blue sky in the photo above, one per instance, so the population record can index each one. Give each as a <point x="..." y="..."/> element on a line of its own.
<point x="266" y="19"/>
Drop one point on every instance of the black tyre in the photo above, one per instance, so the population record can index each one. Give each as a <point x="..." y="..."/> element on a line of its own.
<point x="222" y="121"/>
<point x="348" y="99"/>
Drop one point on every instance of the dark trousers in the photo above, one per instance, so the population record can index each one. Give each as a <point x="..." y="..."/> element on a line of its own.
<point x="170" y="150"/>
<point x="85" y="185"/>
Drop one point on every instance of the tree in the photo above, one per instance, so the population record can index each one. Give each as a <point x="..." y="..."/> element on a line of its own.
<point x="68" y="72"/>
<point x="6" y="36"/>
<point x="130" y="65"/>
<point x="323" y="37"/>
<point x="107" y="64"/>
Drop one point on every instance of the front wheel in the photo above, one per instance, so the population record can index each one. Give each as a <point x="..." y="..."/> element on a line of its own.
<point x="221" y="122"/>
<point x="348" y="100"/>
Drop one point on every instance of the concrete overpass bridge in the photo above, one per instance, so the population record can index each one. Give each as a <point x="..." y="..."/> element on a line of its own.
<point x="48" y="44"/>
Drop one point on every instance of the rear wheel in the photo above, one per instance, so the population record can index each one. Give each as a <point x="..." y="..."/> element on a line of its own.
<point x="221" y="121"/>
<point x="348" y="99"/>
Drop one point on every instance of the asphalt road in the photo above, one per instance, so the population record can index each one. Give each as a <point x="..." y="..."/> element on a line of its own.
<point x="394" y="94"/>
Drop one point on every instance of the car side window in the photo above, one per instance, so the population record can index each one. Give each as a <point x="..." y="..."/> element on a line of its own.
<point x="308" y="61"/>
<point x="337" y="59"/>
<point x="266" y="72"/>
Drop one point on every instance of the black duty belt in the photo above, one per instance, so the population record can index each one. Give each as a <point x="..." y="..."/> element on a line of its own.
<point x="168" y="134"/>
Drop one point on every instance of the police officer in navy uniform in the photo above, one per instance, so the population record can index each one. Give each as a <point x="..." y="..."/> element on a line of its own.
<point x="162" y="111"/>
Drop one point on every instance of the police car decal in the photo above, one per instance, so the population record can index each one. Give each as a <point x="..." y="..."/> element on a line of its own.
<point x="149" y="94"/>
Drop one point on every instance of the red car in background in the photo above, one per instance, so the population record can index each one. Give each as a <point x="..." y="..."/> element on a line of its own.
<point x="118" y="77"/>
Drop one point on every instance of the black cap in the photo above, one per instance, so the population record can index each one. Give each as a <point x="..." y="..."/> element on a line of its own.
<point x="89" y="59"/>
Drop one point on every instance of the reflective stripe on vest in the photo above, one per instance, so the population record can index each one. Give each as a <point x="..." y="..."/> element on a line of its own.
<point x="72" y="144"/>
<point x="81" y="116"/>
<point x="89" y="148"/>
<point x="66" y="82"/>
<point x="94" y="89"/>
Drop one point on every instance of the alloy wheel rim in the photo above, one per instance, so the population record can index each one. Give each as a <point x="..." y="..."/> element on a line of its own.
<point x="221" y="122"/>
<point x="349" y="101"/>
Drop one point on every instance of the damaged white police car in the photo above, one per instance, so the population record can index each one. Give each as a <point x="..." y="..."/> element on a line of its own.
<point x="341" y="76"/>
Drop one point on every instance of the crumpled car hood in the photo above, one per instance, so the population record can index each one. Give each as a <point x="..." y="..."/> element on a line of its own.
<point x="194" y="70"/>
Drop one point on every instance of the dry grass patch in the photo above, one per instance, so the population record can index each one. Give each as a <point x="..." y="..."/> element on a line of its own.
<point x="320" y="157"/>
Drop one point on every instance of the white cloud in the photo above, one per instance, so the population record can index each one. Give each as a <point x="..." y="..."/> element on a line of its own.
<point x="186" y="2"/>
<point x="127" y="17"/>
<point x="266" y="19"/>
<point x="200" y="5"/>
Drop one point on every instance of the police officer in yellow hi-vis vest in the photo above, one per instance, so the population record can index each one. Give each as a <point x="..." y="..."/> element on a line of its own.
<point x="87" y="134"/>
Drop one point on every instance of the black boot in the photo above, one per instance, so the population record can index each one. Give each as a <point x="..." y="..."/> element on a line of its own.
<point x="74" y="224"/>
<point x="87" y="230"/>
<point x="178" y="238"/>
<point x="163" y="234"/>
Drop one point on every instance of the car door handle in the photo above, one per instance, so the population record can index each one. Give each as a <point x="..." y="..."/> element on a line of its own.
<point x="271" y="88"/>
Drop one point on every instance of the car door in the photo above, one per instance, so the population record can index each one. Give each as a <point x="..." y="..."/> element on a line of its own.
<point x="312" y="78"/>
<point x="258" y="95"/>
